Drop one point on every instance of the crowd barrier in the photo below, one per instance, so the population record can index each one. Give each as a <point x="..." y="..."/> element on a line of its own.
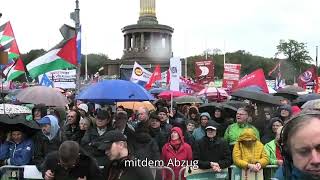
<point x="30" y="172"/>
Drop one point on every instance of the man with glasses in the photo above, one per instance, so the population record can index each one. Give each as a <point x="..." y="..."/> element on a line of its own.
<point x="70" y="163"/>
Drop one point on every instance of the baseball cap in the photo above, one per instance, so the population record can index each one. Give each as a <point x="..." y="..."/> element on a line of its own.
<point x="83" y="107"/>
<point x="211" y="125"/>
<point x="110" y="137"/>
<point x="43" y="121"/>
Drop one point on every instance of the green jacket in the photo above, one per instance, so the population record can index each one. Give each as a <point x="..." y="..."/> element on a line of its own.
<point x="234" y="130"/>
<point x="270" y="149"/>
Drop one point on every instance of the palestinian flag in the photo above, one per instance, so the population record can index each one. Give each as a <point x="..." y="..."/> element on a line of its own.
<point x="8" y="43"/>
<point x="62" y="56"/>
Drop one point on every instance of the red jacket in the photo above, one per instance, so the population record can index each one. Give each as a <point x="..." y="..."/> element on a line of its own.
<point x="172" y="158"/>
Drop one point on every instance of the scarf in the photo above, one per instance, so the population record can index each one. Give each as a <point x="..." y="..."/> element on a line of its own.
<point x="278" y="153"/>
<point x="175" y="144"/>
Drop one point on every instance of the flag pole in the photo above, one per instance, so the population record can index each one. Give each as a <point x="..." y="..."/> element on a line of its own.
<point x="76" y="17"/>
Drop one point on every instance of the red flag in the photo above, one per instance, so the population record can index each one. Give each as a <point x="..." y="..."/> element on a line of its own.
<point x="69" y="51"/>
<point x="156" y="76"/>
<point x="255" y="78"/>
<point x="306" y="77"/>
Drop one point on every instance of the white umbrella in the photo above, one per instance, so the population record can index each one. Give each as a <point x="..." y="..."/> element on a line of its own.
<point x="13" y="109"/>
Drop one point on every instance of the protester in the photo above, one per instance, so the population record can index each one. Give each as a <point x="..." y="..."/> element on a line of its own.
<point x="159" y="136"/>
<point x="115" y="147"/>
<point x="199" y="132"/>
<point x="188" y="137"/>
<point x="285" y="112"/>
<point x="20" y="148"/>
<point x="271" y="130"/>
<point x="70" y="162"/>
<point x="191" y="125"/>
<point x="39" y="111"/>
<point x="300" y="139"/>
<point x="219" y="117"/>
<point x="193" y="114"/>
<point x="272" y="149"/>
<point x="213" y="152"/>
<point x="49" y="140"/>
<point x="234" y="130"/>
<point x="248" y="152"/>
<point x="164" y="120"/>
<point x="175" y="149"/>
<point x="143" y="118"/>
<point x="72" y="128"/>
<point x="91" y="139"/>
<point x="121" y="124"/>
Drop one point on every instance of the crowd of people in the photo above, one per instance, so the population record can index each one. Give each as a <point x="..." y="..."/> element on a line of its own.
<point x="76" y="143"/>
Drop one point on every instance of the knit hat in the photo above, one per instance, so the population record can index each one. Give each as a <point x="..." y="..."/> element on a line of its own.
<point x="287" y="108"/>
<point x="205" y="114"/>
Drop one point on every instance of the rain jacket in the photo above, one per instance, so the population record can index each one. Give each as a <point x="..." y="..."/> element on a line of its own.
<point x="244" y="155"/>
<point x="234" y="130"/>
<point x="4" y="148"/>
<point x="20" y="154"/>
<point x="270" y="149"/>
<point x="170" y="156"/>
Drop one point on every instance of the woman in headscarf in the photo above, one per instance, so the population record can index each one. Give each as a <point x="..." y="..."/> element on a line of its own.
<point x="175" y="151"/>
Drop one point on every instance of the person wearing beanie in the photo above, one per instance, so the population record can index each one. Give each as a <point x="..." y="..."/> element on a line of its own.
<point x="175" y="150"/>
<point x="164" y="120"/>
<point x="199" y="132"/>
<point x="212" y="151"/>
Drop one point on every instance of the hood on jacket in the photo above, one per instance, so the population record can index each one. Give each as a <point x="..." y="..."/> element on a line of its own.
<point x="193" y="110"/>
<point x="179" y="131"/>
<point x="286" y="107"/>
<point x="42" y="108"/>
<point x="248" y="134"/>
<point x="54" y="127"/>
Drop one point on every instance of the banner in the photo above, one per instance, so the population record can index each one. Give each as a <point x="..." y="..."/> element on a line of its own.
<point x="317" y="88"/>
<point x="65" y="79"/>
<point x="231" y="75"/>
<point x="204" y="71"/>
<point x="256" y="78"/>
<point x="140" y="75"/>
<point x="175" y="73"/>
<point x="306" y="77"/>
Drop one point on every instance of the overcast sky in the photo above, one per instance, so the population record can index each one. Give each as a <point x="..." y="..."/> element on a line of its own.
<point x="252" y="25"/>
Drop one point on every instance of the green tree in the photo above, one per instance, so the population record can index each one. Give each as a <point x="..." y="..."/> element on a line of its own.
<point x="295" y="51"/>
<point x="95" y="61"/>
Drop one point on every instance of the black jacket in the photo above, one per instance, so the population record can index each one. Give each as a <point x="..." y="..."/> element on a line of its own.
<point x="43" y="146"/>
<point x="91" y="141"/>
<point x="160" y="137"/>
<point x="146" y="147"/>
<point x="72" y="134"/>
<point x="86" y="166"/>
<point x="216" y="150"/>
<point x="120" y="170"/>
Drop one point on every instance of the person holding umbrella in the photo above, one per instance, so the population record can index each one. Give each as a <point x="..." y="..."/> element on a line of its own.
<point x="20" y="148"/>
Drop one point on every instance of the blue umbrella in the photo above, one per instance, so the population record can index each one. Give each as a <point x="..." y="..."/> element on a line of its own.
<point x="157" y="90"/>
<point x="109" y="91"/>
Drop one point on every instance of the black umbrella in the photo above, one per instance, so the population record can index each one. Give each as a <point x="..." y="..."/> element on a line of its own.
<point x="229" y="110"/>
<point x="290" y="92"/>
<point x="258" y="97"/>
<point x="306" y="97"/>
<point x="236" y="104"/>
<point x="10" y="121"/>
